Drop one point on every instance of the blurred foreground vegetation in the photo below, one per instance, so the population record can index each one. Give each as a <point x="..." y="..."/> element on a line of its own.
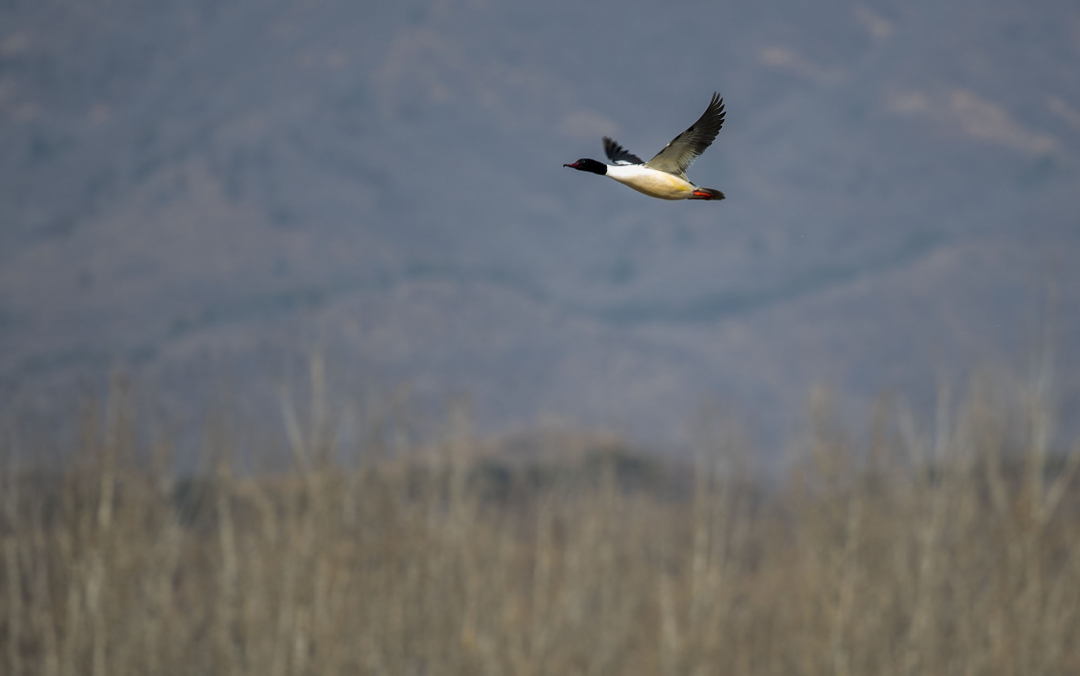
<point x="950" y="550"/>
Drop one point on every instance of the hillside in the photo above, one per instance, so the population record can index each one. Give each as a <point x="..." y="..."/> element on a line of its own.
<point x="205" y="192"/>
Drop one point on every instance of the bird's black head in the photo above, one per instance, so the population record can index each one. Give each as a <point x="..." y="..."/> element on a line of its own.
<point x="589" y="165"/>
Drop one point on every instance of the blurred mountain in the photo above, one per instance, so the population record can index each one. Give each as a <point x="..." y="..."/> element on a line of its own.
<point x="205" y="191"/>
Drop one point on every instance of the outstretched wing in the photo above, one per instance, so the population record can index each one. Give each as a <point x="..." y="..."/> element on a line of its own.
<point x="678" y="155"/>
<point x="619" y="155"/>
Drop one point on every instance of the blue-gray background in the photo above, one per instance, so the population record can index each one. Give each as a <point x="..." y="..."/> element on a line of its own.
<point x="202" y="192"/>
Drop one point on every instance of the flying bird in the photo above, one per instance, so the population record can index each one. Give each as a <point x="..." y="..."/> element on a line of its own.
<point x="664" y="176"/>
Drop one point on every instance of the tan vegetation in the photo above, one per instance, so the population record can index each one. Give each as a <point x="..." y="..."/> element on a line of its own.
<point x="956" y="552"/>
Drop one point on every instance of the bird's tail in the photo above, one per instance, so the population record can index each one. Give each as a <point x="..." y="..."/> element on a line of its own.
<point x="707" y="194"/>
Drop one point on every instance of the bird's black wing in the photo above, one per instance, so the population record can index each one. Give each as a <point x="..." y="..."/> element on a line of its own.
<point x="619" y="155"/>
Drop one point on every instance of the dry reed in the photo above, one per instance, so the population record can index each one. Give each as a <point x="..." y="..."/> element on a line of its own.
<point x="954" y="552"/>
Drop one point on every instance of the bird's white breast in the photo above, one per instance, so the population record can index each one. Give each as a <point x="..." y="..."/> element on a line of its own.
<point x="652" y="182"/>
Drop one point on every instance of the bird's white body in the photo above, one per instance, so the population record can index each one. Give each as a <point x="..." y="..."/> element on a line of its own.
<point x="651" y="182"/>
